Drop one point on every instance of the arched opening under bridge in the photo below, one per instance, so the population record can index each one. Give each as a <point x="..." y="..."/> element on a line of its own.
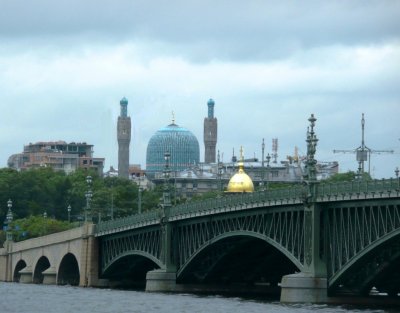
<point x="68" y="272"/>
<point x="239" y="263"/>
<point x="20" y="266"/>
<point x="41" y="265"/>
<point x="129" y="271"/>
<point x="374" y="273"/>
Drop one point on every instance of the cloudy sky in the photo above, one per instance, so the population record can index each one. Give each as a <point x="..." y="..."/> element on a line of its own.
<point x="64" y="66"/>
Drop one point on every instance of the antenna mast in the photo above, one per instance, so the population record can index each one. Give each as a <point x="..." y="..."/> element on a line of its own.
<point x="363" y="153"/>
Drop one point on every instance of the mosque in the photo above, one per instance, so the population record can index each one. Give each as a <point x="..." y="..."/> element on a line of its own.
<point x="179" y="142"/>
<point x="190" y="176"/>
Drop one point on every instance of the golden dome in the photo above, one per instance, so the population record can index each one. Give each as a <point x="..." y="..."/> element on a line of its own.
<point x="240" y="182"/>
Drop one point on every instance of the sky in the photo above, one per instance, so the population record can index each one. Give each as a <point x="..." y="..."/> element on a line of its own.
<point x="268" y="65"/>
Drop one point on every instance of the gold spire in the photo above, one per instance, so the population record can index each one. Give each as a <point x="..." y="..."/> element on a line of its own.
<point x="173" y="117"/>
<point x="241" y="161"/>
<point x="240" y="182"/>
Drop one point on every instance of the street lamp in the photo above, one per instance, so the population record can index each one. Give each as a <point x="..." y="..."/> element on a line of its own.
<point x="140" y="199"/>
<point x="268" y="159"/>
<point x="88" y="195"/>
<point x="9" y="219"/>
<point x="112" y="199"/>
<point x="69" y="213"/>
<point x="166" y="194"/>
<point x="397" y="176"/>
<point x="219" y="169"/>
<point x="262" y="163"/>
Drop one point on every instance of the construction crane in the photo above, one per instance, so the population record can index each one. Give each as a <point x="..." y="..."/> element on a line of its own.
<point x="363" y="153"/>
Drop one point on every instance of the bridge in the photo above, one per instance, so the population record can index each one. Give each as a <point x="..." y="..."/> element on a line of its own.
<point x="68" y="257"/>
<point x="312" y="242"/>
<point x="347" y="240"/>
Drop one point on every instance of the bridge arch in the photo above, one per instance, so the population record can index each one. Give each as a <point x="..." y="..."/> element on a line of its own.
<point x="224" y="248"/>
<point x="41" y="265"/>
<point x="375" y="260"/>
<point x="68" y="271"/>
<point x="18" y="267"/>
<point x="130" y="268"/>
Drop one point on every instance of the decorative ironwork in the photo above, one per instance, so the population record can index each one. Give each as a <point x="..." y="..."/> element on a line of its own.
<point x="128" y="223"/>
<point x="373" y="189"/>
<point x="311" y="174"/>
<point x="355" y="218"/>
<point x="282" y="227"/>
<point x="139" y="241"/>
<point x="354" y="228"/>
<point x="357" y="190"/>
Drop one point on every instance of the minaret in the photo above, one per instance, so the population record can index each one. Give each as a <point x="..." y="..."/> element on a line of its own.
<point x="210" y="133"/>
<point x="124" y="138"/>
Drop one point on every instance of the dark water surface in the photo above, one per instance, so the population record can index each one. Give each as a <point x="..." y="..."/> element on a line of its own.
<point x="29" y="298"/>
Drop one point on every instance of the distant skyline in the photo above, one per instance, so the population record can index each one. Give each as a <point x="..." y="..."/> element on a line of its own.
<point x="64" y="66"/>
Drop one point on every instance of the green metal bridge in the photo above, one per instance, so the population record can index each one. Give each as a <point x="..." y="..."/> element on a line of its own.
<point x="271" y="233"/>
<point x="314" y="239"/>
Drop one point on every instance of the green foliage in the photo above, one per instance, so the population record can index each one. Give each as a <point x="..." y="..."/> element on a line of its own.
<point x="275" y="185"/>
<point x="35" y="226"/>
<point x="348" y="176"/>
<point x="36" y="191"/>
<point x="207" y="195"/>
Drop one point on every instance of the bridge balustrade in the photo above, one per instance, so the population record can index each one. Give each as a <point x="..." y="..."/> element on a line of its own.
<point x="296" y="194"/>
<point x="358" y="189"/>
<point x="234" y="201"/>
<point x="129" y="222"/>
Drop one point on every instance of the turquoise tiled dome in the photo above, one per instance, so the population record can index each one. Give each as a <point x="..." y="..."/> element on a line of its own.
<point x="179" y="142"/>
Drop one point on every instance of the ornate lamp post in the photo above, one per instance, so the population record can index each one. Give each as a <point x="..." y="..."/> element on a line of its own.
<point x="268" y="157"/>
<point x="312" y="281"/>
<point x="112" y="200"/>
<point x="311" y="210"/>
<point x="9" y="219"/>
<point x="140" y="199"/>
<point x="69" y="213"/>
<point x="88" y="195"/>
<point x="219" y="173"/>
<point x="311" y="171"/>
<point x="262" y="163"/>
<point x="397" y="176"/>
<point x="166" y="193"/>
<point x="165" y="225"/>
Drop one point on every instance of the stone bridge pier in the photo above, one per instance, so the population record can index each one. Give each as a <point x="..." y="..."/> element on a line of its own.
<point x="69" y="257"/>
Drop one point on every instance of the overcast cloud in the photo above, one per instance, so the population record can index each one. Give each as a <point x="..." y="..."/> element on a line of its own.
<point x="64" y="66"/>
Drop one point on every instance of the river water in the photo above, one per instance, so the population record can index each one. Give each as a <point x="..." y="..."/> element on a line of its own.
<point x="29" y="298"/>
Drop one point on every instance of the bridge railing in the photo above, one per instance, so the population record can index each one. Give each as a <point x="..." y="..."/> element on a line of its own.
<point x="294" y="194"/>
<point x="358" y="189"/>
<point x="274" y="196"/>
<point x="129" y="221"/>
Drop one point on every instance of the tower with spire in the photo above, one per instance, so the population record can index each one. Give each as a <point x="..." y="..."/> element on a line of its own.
<point x="124" y="139"/>
<point x="210" y="134"/>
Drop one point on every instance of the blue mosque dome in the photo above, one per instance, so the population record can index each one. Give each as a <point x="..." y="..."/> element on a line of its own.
<point x="179" y="142"/>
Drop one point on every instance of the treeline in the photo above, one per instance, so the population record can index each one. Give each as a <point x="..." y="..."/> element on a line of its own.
<point x="43" y="191"/>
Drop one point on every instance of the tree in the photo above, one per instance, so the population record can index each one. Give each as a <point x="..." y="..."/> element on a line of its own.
<point x="348" y="176"/>
<point x="35" y="226"/>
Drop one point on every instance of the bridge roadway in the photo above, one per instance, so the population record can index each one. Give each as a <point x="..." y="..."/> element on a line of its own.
<point x="314" y="241"/>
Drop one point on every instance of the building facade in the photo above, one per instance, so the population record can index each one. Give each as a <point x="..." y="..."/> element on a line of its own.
<point x="124" y="139"/>
<point x="58" y="155"/>
<point x="204" y="178"/>
<point x="210" y="134"/>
